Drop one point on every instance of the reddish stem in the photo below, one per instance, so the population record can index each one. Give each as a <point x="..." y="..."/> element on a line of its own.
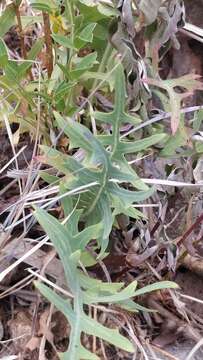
<point x="48" y="42"/>
<point x="191" y="228"/>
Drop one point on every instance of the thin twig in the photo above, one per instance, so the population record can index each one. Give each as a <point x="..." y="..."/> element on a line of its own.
<point x="191" y="298"/>
<point x="165" y="353"/>
<point x="16" y="288"/>
<point x="160" y="117"/>
<point x="191" y="229"/>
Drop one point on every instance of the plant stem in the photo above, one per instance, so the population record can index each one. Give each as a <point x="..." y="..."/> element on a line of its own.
<point x="102" y="65"/>
<point x="71" y="20"/>
<point x="191" y="229"/>
<point x="48" y="42"/>
<point x="22" y="44"/>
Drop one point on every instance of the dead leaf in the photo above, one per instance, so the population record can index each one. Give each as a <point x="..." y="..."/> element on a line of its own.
<point x="137" y="259"/>
<point x="174" y="16"/>
<point x="172" y="257"/>
<point x="33" y="343"/>
<point x="43" y="329"/>
<point x="193" y="264"/>
<point x="63" y="142"/>
<point x="23" y="108"/>
<point x="20" y="329"/>
<point x="166" y="337"/>
<point x="60" y="327"/>
<point x="198" y="171"/>
<point x="127" y="17"/>
<point x="150" y="10"/>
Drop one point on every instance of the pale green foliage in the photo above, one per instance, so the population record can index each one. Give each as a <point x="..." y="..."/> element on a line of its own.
<point x="116" y="188"/>
<point x="103" y="163"/>
<point x="107" y="168"/>
<point x="189" y="83"/>
<point x="69" y="244"/>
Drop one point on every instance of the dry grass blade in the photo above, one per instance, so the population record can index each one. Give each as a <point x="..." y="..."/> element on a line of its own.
<point x="193" y="31"/>
<point x="160" y="117"/>
<point x="164" y="353"/>
<point x="192" y="298"/>
<point x="78" y="190"/>
<point x="12" y="159"/>
<point x="194" y="350"/>
<point x="171" y="183"/>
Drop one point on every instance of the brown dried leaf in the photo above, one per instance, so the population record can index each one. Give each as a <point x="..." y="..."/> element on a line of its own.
<point x="60" y="327"/>
<point x="33" y="343"/>
<point x="138" y="259"/>
<point x="20" y="329"/>
<point x="43" y="329"/>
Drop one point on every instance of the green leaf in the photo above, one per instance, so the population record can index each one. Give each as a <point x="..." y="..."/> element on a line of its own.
<point x="107" y="10"/>
<point x="7" y="20"/>
<point x="87" y="33"/>
<point x="74" y="318"/>
<point x="79" y="136"/>
<point x="199" y="147"/>
<point x="118" y="116"/>
<point x="89" y="3"/>
<point x="126" y="293"/>
<point x="139" y="145"/>
<point x="44" y="5"/>
<point x="97" y="286"/>
<point x="61" y="304"/>
<point x="130" y="305"/>
<point x="50" y="179"/>
<point x="87" y="325"/>
<point x="156" y="286"/>
<point x="86" y="355"/>
<point x="62" y="90"/>
<point x="198" y="119"/>
<point x="189" y="83"/>
<point x="62" y="241"/>
<point x="89" y="233"/>
<point x="29" y="20"/>
<point x="63" y="40"/>
<point x="174" y="142"/>
<point x="90" y="11"/>
<point x="87" y="259"/>
<point x="32" y="54"/>
<point x="94" y="328"/>
<point x="84" y="63"/>
<point x="82" y="353"/>
<point x="127" y="196"/>
<point x="11" y="80"/>
<point x="3" y="53"/>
